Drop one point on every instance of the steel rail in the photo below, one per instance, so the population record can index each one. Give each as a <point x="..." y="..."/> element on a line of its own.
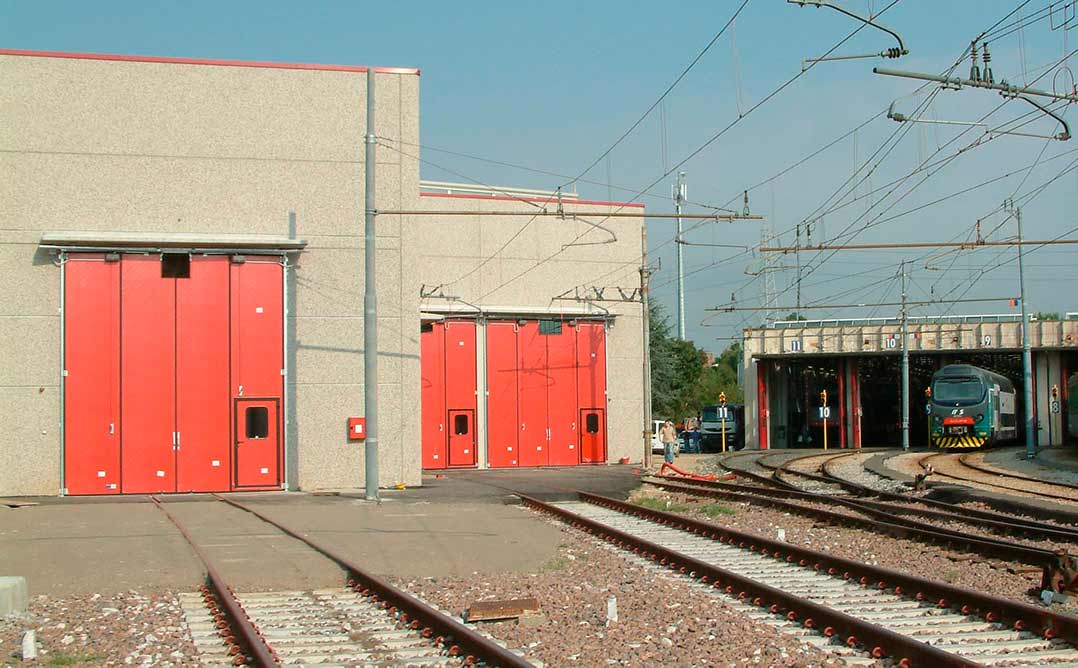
<point x="1037" y="511"/>
<point x="258" y="651"/>
<point x="1022" y="616"/>
<point x="1060" y="515"/>
<point x="459" y="639"/>
<point x="885" y="522"/>
<point x="879" y="641"/>
<point x="937" y="472"/>
<point x="1010" y="474"/>
<point x="993" y="521"/>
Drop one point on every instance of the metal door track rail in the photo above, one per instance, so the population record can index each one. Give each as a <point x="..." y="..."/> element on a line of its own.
<point x="245" y="642"/>
<point x="887" y="523"/>
<point x="879" y="641"/>
<point x="996" y="609"/>
<point x="458" y="639"/>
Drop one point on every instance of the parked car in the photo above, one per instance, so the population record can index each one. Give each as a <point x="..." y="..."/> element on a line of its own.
<point x="656" y="441"/>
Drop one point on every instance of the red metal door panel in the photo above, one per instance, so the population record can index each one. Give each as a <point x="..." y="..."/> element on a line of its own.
<point x="460" y="365"/>
<point x="148" y="376"/>
<point x="92" y="375"/>
<point x="461" y="425"/>
<point x="257" y="442"/>
<point x="591" y="388"/>
<point x="460" y="388"/>
<point x="203" y="457"/>
<point x="592" y="435"/>
<point x="503" y="427"/>
<point x="432" y="366"/>
<point x="562" y="413"/>
<point x="591" y="364"/>
<point x="533" y="382"/>
<point x="257" y="329"/>
<point x="257" y="347"/>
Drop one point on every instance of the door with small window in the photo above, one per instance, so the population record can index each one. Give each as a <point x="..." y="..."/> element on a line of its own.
<point x="461" y="438"/>
<point x="592" y="436"/>
<point x="257" y="453"/>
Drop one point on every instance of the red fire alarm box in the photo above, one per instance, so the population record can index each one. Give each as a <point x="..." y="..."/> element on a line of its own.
<point x="357" y="428"/>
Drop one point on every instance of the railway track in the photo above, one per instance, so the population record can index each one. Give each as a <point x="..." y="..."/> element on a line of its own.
<point x="963" y="468"/>
<point x="1019" y="518"/>
<point x="369" y="622"/>
<point x="829" y="601"/>
<point x="878" y="518"/>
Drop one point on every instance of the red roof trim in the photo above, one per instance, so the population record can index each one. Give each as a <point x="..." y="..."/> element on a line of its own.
<point x="503" y="198"/>
<point x="204" y="61"/>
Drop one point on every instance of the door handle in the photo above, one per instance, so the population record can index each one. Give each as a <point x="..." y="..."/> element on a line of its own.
<point x="112" y="428"/>
<point x="441" y="426"/>
<point x="241" y="390"/>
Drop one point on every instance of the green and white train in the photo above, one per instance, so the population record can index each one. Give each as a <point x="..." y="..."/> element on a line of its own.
<point x="971" y="407"/>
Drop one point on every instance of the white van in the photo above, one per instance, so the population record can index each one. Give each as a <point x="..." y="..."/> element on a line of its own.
<point x="657" y="443"/>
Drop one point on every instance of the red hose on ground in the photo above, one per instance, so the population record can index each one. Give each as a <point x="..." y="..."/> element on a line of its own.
<point x="692" y="476"/>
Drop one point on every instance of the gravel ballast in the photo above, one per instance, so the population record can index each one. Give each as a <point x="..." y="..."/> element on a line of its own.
<point x="663" y="620"/>
<point x="956" y="568"/>
<point x="127" y="629"/>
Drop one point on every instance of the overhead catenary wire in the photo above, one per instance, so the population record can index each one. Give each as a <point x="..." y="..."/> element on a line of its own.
<point x="662" y="97"/>
<point x="711" y="140"/>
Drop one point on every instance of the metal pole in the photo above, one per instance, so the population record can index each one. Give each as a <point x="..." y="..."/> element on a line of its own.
<point x="905" y="365"/>
<point x="1027" y="353"/>
<point x="679" y="197"/>
<point x="370" y="309"/>
<point x="645" y="321"/>
<point x="958" y="82"/>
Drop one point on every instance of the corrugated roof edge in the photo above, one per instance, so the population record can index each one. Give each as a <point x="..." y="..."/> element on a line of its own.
<point x="205" y="61"/>
<point x="541" y="200"/>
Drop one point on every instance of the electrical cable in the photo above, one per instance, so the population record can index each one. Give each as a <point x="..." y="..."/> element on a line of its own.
<point x="662" y="97"/>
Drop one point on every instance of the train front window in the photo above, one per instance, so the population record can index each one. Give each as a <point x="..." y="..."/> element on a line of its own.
<point x="711" y="414"/>
<point x="958" y="390"/>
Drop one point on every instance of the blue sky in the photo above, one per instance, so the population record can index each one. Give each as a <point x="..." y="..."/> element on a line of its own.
<point x="550" y="85"/>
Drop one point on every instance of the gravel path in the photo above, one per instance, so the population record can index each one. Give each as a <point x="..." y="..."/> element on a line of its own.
<point x="663" y="619"/>
<point x="132" y="629"/>
<point x="962" y="569"/>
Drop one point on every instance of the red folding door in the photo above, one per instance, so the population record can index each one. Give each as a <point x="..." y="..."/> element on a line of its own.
<point x="257" y="339"/>
<point x="503" y="426"/>
<point x="432" y="371"/>
<point x="92" y="375"/>
<point x="591" y="390"/>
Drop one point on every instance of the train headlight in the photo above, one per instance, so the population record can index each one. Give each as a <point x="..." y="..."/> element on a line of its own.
<point x="937" y="419"/>
<point x="980" y="417"/>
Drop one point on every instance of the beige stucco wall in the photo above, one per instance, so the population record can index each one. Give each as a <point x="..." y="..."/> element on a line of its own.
<point x="532" y="269"/>
<point x="88" y="145"/>
<point x="168" y="147"/>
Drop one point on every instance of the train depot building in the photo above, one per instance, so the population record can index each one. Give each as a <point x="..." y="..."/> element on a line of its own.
<point x="788" y="365"/>
<point x="183" y="301"/>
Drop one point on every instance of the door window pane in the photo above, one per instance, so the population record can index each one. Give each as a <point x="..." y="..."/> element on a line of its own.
<point x="460" y="424"/>
<point x="550" y="327"/>
<point x="591" y="423"/>
<point x="257" y="418"/>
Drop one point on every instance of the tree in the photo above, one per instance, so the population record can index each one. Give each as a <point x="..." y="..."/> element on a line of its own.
<point x="795" y="316"/>
<point x="681" y="381"/>
<point x="1041" y="315"/>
